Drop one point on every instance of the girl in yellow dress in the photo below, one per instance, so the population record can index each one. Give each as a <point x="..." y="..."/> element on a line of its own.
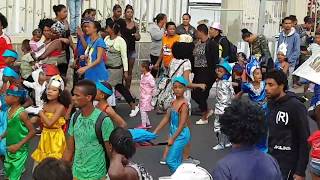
<point x="52" y="141"/>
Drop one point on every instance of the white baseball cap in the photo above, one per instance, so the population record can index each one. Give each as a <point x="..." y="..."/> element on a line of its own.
<point x="189" y="171"/>
<point x="216" y="25"/>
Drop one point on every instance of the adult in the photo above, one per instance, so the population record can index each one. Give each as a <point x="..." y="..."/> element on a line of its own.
<point x="5" y="43"/>
<point x="116" y="18"/>
<point x="52" y="169"/>
<point x="45" y="26"/>
<point x="215" y="32"/>
<point x="289" y="42"/>
<point x="304" y="30"/>
<point x="95" y="69"/>
<point x="167" y="42"/>
<point x="288" y="127"/>
<point x="206" y="57"/>
<point x="118" y="64"/>
<point x="186" y="27"/>
<point x="244" y="124"/>
<point x="83" y="147"/>
<point x="122" y="149"/>
<point x="156" y="31"/>
<point x="74" y="9"/>
<point x="130" y="34"/>
<point x="61" y="13"/>
<point x="259" y="48"/>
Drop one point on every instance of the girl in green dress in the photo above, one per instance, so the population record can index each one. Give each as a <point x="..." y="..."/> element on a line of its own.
<point x="19" y="132"/>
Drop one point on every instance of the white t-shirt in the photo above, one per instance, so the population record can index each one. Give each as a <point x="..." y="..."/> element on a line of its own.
<point x="186" y="66"/>
<point x="314" y="48"/>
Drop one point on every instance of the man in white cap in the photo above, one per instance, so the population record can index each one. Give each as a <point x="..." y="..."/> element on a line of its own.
<point x="215" y="32"/>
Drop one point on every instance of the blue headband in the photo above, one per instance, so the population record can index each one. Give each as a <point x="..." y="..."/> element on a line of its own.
<point x="103" y="88"/>
<point x="10" y="53"/>
<point x="10" y="73"/>
<point x="181" y="80"/>
<point x="18" y="93"/>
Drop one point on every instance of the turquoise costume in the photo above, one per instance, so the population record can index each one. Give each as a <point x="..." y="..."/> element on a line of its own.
<point x="175" y="154"/>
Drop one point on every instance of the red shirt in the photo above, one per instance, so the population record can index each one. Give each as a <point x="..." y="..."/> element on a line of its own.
<point x="314" y="141"/>
<point x="5" y="43"/>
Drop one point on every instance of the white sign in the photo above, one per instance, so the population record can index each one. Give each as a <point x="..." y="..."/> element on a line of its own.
<point x="310" y="69"/>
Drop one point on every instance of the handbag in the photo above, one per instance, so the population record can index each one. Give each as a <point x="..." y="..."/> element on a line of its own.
<point x="164" y="95"/>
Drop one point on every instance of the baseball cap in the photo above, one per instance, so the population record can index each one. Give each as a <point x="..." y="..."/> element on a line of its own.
<point x="216" y="25"/>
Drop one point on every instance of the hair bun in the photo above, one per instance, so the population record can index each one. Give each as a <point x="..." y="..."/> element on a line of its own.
<point x="245" y="31"/>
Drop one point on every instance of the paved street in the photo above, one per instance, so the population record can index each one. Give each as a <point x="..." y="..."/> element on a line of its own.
<point x="202" y="141"/>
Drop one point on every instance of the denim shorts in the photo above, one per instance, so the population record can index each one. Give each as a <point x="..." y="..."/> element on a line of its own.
<point x="132" y="55"/>
<point x="315" y="167"/>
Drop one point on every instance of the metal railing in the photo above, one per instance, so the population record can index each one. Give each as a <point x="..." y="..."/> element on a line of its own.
<point x="24" y="15"/>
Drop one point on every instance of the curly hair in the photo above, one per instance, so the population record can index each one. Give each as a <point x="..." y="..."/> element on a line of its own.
<point x="53" y="169"/>
<point x="122" y="142"/>
<point x="182" y="50"/>
<point x="243" y="122"/>
<point x="280" y="77"/>
<point x="4" y="21"/>
<point x="64" y="97"/>
<point x="45" y="23"/>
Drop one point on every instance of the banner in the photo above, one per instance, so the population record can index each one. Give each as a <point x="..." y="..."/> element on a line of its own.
<point x="310" y="69"/>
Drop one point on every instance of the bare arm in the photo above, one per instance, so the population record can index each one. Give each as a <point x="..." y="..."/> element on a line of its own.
<point x="163" y="123"/>
<point x="118" y="169"/>
<point x="137" y="34"/>
<point x="49" y="122"/>
<point x="186" y="75"/>
<point x="68" y="153"/>
<point x="115" y="117"/>
<point x="108" y="148"/>
<point x="15" y="147"/>
<point x="286" y="68"/>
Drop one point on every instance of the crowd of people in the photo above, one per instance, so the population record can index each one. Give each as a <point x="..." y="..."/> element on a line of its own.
<point x="66" y="92"/>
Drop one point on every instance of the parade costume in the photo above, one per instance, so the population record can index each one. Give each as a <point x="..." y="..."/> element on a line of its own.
<point x="3" y="124"/>
<point x="175" y="154"/>
<point x="14" y="163"/>
<point x="256" y="95"/>
<point x="224" y="95"/>
<point x="52" y="141"/>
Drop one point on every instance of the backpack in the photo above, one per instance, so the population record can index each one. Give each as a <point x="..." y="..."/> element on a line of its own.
<point x="232" y="54"/>
<point x="98" y="131"/>
<point x="164" y="94"/>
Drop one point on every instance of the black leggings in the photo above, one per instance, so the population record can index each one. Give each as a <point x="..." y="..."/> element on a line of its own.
<point x="200" y="96"/>
<point x="125" y="93"/>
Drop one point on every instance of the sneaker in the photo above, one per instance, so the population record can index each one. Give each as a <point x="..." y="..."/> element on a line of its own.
<point x="202" y="122"/>
<point x="134" y="112"/>
<point x="218" y="147"/>
<point x="148" y="126"/>
<point x="38" y="131"/>
<point x="228" y="145"/>
<point x="191" y="160"/>
<point x="141" y="127"/>
<point x="163" y="162"/>
<point x="305" y="98"/>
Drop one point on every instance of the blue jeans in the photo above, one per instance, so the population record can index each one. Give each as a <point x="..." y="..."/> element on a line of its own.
<point x="74" y="8"/>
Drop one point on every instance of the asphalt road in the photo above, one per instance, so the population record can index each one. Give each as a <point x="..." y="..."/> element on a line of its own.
<point x="203" y="140"/>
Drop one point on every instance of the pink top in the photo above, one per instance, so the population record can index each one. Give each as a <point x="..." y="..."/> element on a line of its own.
<point x="147" y="88"/>
<point x="35" y="47"/>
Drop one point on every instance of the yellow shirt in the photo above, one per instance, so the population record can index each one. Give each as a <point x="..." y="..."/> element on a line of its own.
<point x="167" y="43"/>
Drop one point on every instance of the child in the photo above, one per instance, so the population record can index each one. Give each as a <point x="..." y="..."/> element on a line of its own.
<point x="5" y="42"/>
<point x="282" y="62"/>
<point x="18" y="133"/>
<point x="314" y="164"/>
<point x="256" y="91"/>
<point x="10" y="57"/>
<point x="39" y="85"/>
<point x="89" y="14"/>
<point x="104" y="91"/>
<point x="147" y="88"/>
<point x="178" y="117"/>
<point x="36" y="45"/>
<point x="27" y="62"/>
<point x="52" y="141"/>
<point x="224" y="96"/>
<point x="237" y="71"/>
